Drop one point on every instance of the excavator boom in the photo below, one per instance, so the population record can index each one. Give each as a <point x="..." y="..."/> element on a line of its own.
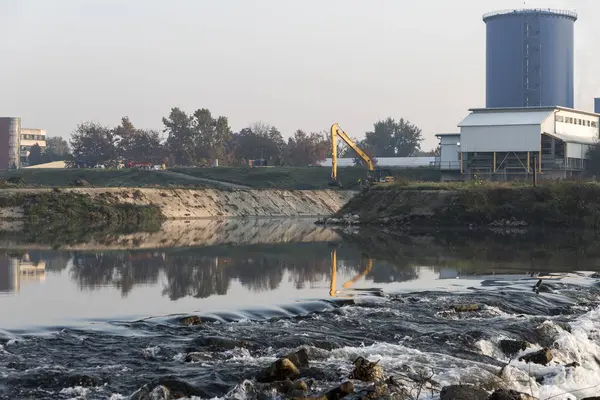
<point x="335" y="132"/>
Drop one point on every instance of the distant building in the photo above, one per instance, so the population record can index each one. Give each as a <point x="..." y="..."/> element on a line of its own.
<point x="16" y="142"/>
<point x="509" y="143"/>
<point x="29" y="138"/>
<point x="397" y="162"/>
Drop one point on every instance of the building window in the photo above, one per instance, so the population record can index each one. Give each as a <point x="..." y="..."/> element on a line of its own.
<point x="560" y="118"/>
<point x="594" y="124"/>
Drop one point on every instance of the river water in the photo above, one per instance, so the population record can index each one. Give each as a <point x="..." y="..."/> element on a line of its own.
<point x="101" y="323"/>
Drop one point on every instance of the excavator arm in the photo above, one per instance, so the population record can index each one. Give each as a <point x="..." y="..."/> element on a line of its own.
<point x="335" y="132"/>
<point x="333" y="292"/>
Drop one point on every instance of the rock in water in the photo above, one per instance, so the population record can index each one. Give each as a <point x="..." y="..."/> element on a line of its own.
<point x="367" y="371"/>
<point x="542" y="357"/>
<point x="286" y="386"/>
<point x="503" y="394"/>
<point x="299" y="358"/>
<point x="512" y="347"/>
<point x="192" y="320"/>
<point x="341" y="391"/>
<point x="280" y="370"/>
<point x="467" y="307"/>
<point x="463" y="392"/>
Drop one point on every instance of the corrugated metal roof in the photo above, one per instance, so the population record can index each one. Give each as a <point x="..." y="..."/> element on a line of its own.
<point x="499" y="118"/>
<point x="573" y="138"/>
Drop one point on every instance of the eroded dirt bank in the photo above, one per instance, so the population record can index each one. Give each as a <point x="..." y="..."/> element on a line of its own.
<point x="203" y="203"/>
<point x="556" y="205"/>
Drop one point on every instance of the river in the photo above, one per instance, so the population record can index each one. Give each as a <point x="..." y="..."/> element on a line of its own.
<point x="101" y="323"/>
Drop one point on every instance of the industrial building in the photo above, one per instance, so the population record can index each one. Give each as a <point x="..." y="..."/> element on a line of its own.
<point x="16" y="142"/>
<point x="529" y="121"/>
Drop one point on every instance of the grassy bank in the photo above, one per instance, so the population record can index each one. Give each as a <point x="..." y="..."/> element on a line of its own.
<point x="97" y="178"/>
<point x="560" y="204"/>
<point x="256" y="178"/>
<point x="301" y="178"/>
<point x="61" y="217"/>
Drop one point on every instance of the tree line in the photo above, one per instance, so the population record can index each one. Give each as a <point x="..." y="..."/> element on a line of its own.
<point x="199" y="138"/>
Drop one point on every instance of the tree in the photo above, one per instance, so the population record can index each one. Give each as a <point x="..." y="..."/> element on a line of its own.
<point x="196" y="139"/>
<point x="258" y="141"/>
<point x="35" y="155"/>
<point x="391" y="138"/>
<point x="139" y="144"/>
<point x="57" y="149"/>
<point x="593" y="161"/>
<point x="94" y="143"/>
<point x="304" y="150"/>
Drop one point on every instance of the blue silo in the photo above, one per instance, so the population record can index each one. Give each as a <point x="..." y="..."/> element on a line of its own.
<point x="529" y="58"/>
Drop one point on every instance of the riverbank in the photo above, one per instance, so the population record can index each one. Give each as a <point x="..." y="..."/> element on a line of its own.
<point x="552" y="205"/>
<point x="76" y="203"/>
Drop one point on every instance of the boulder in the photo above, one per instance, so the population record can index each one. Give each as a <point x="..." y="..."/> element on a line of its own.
<point x="192" y="320"/>
<point x="166" y="389"/>
<point x="463" y="392"/>
<point x="512" y="347"/>
<point x="341" y="391"/>
<point x="503" y="394"/>
<point x="287" y="367"/>
<point x="592" y="398"/>
<point x="286" y="386"/>
<point x="467" y="307"/>
<point x="542" y="357"/>
<point x="365" y="370"/>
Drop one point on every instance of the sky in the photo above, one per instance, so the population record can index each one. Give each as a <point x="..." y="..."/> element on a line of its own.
<point x="289" y="63"/>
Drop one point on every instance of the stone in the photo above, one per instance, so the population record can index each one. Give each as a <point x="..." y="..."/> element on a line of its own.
<point x="467" y="307"/>
<point x="341" y="391"/>
<point x="280" y="370"/>
<point x="512" y="347"/>
<point x="365" y="370"/>
<point x="299" y="358"/>
<point x="286" y="386"/>
<point x="192" y="320"/>
<point x="592" y="398"/>
<point x="542" y="357"/>
<point x="503" y="394"/>
<point x="574" y="364"/>
<point x="463" y="392"/>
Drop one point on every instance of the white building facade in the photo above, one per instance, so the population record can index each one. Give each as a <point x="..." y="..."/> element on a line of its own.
<point x="508" y="143"/>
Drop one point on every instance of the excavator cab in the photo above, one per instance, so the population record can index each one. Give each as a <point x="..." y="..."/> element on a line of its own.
<point x="383" y="175"/>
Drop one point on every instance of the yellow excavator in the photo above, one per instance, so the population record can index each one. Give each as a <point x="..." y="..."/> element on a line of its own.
<point x="374" y="176"/>
<point x="333" y="292"/>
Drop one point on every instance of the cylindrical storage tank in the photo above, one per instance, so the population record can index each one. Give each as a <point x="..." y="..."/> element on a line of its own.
<point x="10" y="140"/>
<point x="530" y="58"/>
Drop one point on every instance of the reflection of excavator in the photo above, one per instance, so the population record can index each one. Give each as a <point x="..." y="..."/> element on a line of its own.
<point x="374" y="176"/>
<point x="333" y="292"/>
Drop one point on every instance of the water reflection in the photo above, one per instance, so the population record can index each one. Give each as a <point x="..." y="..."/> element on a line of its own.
<point x="114" y="284"/>
<point x="17" y="270"/>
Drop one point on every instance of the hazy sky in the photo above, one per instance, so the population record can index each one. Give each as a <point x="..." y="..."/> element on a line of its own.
<point x="294" y="64"/>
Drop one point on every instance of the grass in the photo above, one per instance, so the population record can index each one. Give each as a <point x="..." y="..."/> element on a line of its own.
<point x="97" y="178"/>
<point x="256" y="178"/>
<point x="300" y="177"/>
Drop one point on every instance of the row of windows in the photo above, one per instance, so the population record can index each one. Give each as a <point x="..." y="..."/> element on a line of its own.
<point x="33" y="137"/>
<point x="576" y="121"/>
<point x="28" y="148"/>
